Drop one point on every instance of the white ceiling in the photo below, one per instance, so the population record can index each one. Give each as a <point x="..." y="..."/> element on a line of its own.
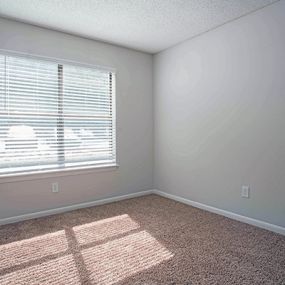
<point x="146" y="25"/>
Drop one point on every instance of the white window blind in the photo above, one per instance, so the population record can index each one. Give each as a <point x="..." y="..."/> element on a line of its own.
<point x="54" y="116"/>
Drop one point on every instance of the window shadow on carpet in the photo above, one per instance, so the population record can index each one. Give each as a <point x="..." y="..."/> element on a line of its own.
<point x="101" y="252"/>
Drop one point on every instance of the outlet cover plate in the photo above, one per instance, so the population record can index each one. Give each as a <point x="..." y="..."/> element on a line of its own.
<point x="245" y="191"/>
<point x="54" y="187"/>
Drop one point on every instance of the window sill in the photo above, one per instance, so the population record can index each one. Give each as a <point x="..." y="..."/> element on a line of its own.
<point x="26" y="176"/>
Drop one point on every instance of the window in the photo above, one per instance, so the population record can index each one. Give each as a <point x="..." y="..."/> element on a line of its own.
<point x="54" y="116"/>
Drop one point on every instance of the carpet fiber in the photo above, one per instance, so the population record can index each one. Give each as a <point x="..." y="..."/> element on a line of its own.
<point x="148" y="241"/>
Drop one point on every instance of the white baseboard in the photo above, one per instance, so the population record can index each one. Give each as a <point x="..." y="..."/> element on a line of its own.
<point x="39" y="214"/>
<point x="231" y="215"/>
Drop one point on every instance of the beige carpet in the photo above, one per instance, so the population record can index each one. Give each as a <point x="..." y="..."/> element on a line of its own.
<point x="148" y="240"/>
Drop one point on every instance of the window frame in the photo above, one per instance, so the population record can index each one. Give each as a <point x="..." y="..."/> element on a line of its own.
<point x="69" y="170"/>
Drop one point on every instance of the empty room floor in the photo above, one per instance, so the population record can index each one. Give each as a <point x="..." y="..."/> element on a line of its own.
<point x="148" y="240"/>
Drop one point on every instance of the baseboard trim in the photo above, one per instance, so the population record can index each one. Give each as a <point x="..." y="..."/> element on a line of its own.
<point x="49" y="212"/>
<point x="228" y="214"/>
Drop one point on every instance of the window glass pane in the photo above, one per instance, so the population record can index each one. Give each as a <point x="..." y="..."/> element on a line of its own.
<point x="86" y="91"/>
<point x="27" y="133"/>
<point x="27" y="141"/>
<point x="31" y="85"/>
<point x="88" y="139"/>
<point x="2" y="82"/>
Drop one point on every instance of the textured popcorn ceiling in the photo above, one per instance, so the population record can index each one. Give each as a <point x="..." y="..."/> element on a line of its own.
<point x="147" y="25"/>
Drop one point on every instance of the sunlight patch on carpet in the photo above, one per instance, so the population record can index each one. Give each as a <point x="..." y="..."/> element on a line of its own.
<point x="54" y="272"/>
<point x="118" y="259"/>
<point x="28" y="250"/>
<point x="104" y="229"/>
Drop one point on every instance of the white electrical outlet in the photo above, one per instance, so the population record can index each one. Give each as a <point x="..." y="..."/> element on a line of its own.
<point x="245" y="191"/>
<point x="54" y="187"/>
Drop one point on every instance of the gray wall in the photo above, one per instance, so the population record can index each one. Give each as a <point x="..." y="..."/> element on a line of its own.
<point x="134" y="121"/>
<point x="219" y="111"/>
